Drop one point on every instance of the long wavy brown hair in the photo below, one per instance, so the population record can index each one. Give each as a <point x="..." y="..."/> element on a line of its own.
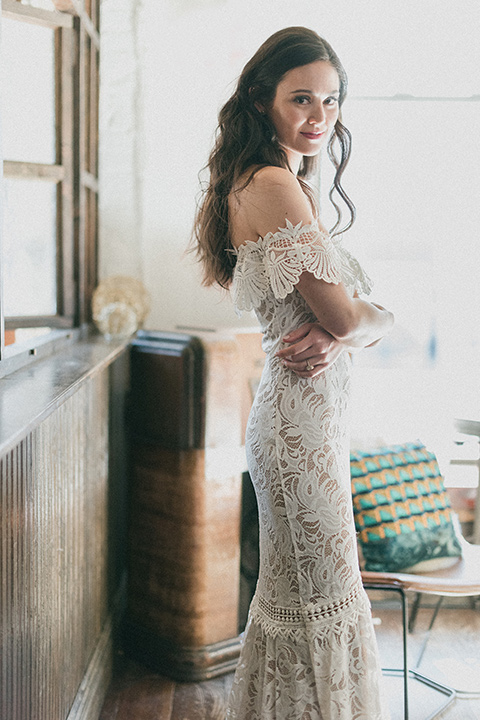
<point x="246" y="139"/>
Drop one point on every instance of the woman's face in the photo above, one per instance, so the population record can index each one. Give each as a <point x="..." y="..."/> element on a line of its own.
<point x="305" y="109"/>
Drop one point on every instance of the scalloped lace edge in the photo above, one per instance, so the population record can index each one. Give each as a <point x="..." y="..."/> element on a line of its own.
<point x="328" y="260"/>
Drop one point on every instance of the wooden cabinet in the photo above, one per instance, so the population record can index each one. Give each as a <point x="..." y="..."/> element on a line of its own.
<point x="185" y="502"/>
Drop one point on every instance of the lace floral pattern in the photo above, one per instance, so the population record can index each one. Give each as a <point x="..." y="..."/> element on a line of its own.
<point x="332" y="673"/>
<point x="309" y="649"/>
<point x="276" y="262"/>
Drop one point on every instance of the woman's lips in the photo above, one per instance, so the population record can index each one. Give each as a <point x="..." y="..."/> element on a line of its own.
<point x="312" y="136"/>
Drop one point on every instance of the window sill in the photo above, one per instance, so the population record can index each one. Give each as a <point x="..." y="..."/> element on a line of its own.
<point x="31" y="393"/>
<point x="25" y="352"/>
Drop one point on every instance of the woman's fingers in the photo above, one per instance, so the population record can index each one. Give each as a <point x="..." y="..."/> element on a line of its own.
<point x="308" y="338"/>
<point x="298" y="334"/>
<point x="312" y="354"/>
<point x="296" y="352"/>
<point x="308" y="367"/>
<point x="309" y="364"/>
<point x="310" y="350"/>
<point x="297" y="341"/>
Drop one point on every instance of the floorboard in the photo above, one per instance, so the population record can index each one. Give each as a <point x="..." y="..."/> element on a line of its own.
<point x="200" y="701"/>
<point x="452" y="657"/>
<point x="138" y="694"/>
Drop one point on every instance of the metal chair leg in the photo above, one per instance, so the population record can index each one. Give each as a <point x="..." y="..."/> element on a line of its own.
<point x="414" y="674"/>
<point x="404" y="671"/>
<point x="429" y="630"/>
<point x="414" y="611"/>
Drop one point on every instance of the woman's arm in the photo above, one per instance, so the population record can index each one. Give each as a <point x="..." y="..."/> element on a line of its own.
<point x="351" y="320"/>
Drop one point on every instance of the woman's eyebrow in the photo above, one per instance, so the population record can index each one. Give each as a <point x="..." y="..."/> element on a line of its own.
<point x="304" y="90"/>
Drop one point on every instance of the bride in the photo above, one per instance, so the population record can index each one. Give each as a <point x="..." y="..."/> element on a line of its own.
<point x="309" y="650"/>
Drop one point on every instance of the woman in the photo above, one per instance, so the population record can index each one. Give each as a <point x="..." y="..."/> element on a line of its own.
<point x="309" y="650"/>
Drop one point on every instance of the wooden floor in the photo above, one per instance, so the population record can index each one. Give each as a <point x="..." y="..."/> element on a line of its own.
<point x="453" y="655"/>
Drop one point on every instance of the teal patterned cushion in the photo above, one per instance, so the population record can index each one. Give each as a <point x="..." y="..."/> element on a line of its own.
<point x="402" y="512"/>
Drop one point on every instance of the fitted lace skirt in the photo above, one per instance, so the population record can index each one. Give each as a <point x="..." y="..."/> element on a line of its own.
<point x="309" y="650"/>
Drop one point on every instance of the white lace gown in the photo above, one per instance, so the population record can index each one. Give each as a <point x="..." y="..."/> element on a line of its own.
<point x="309" y="651"/>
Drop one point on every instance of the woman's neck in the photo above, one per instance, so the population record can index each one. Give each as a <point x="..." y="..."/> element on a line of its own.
<point x="294" y="159"/>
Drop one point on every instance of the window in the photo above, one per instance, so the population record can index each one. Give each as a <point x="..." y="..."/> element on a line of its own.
<point x="415" y="179"/>
<point x="50" y="168"/>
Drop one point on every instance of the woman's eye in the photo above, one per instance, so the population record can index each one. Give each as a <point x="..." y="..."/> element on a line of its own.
<point x="302" y="99"/>
<point x="331" y="101"/>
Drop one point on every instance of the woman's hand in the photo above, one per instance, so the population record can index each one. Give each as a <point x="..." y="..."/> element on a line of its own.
<point x="310" y="346"/>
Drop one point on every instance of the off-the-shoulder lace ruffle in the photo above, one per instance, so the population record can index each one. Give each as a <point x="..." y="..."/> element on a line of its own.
<point x="276" y="261"/>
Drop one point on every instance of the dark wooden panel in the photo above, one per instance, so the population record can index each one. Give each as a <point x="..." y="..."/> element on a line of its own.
<point x="167" y="398"/>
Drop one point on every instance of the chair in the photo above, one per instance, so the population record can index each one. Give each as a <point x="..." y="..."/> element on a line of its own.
<point x="460" y="579"/>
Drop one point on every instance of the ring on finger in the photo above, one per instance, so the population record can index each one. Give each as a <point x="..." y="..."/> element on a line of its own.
<point x="308" y="365"/>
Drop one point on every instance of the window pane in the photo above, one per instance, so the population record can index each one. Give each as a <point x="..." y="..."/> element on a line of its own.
<point x="29" y="243"/>
<point x="415" y="179"/>
<point x="42" y="4"/>
<point x="28" y="103"/>
<point x="20" y="335"/>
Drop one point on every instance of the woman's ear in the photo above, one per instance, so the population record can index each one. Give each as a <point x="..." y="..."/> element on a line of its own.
<point x="258" y="106"/>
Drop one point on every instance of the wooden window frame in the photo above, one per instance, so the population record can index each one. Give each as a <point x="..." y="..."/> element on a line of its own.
<point x="77" y="43"/>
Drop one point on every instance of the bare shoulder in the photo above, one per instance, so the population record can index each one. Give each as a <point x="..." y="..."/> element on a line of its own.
<point x="275" y="183"/>
<point x="273" y="196"/>
<point x="271" y="176"/>
<point x="264" y="181"/>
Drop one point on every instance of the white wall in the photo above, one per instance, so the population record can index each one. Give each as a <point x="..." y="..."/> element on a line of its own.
<point x="168" y="65"/>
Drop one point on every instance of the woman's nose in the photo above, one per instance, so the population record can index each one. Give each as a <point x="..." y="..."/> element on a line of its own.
<point x="318" y="115"/>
